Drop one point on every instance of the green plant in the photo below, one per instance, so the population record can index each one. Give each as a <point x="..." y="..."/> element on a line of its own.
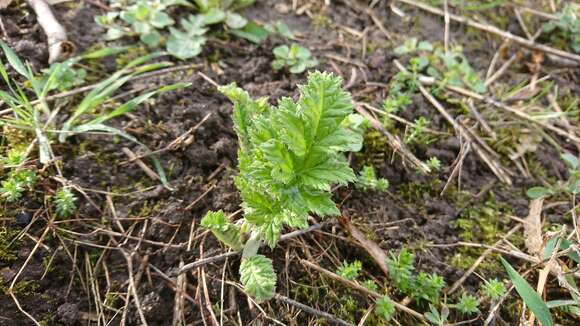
<point x="187" y="43"/>
<point x="401" y="269"/>
<point x="295" y="58"/>
<point x="568" y="26"/>
<point x="144" y="18"/>
<point x="454" y="68"/>
<point x="223" y="11"/>
<point x="449" y="66"/>
<point x="422" y="286"/>
<point x="427" y="287"/>
<point x="67" y="76"/>
<point x="411" y="45"/>
<point x="367" y="180"/>
<point x="434" y="163"/>
<point x="17" y="182"/>
<point x="436" y="317"/>
<point x="350" y="271"/>
<point x="371" y="285"/>
<point x="417" y="132"/>
<point x="467" y="304"/>
<point x="289" y="157"/>
<point x="570" y="186"/>
<point x="64" y="200"/>
<point x="493" y="289"/>
<point x="385" y="308"/>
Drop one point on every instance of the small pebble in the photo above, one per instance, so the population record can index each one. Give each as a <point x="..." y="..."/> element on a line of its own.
<point x="23" y="218"/>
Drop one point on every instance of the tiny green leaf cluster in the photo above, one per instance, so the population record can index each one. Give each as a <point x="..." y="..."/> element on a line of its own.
<point x="65" y="202"/>
<point x="422" y="286"/>
<point x="385" y="308"/>
<point x="568" y="26"/>
<point x="350" y="271"/>
<point x="451" y="67"/>
<point x="296" y="58"/>
<point x="467" y="305"/>
<point x="289" y="157"/>
<point x="148" y="19"/>
<point x="367" y="180"/>
<point x="17" y="182"/>
<point x="144" y="17"/>
<point x="493" y="289"/>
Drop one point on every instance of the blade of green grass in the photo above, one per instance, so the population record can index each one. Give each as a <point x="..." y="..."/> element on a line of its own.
<point x="14" y="60"/>
<point x="529" y="295"/>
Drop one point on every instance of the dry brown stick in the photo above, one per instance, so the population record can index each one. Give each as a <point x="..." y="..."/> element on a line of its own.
<point x="133" y="287"/>
<point x="480" y="119"/>
<point x="318" y="313"/>
<point x="360" y="288"/>
<point x="56" y="38"/>
<point x="200" y="197"/>
<point x="203" y="281"/>
<point x="394" y="142"/>
<point x="494" y="30"/>
<point x="150" y="173"/>
<point x="480" y="259"/>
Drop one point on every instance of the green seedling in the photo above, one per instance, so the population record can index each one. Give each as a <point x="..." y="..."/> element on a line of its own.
<point x="421" y="287"/>
<point x="434" y="164"/>
<point x="142" y="17"/>
<point x="16" y="184"/>
<point x="417" y="132"/>
<point x="289" y="159"/>
<point x="566" y="27"/>
<point x="436" y="317"/>
<point x="385" y="308"/>
<point x="223" y="11"/>
<point x="295" y="58"/>
<point x="350" y="271"/>
<point x="65" y="202"/>
<point x="367" y="180"/>
<point x="450" y="67"/>
<point x="467" y="304"/>
<point x="67" y="75"/>
<point x="187" y="42"/>
<point x="493" y="289"/>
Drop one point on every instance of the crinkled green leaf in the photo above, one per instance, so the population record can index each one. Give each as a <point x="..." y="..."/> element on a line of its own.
<point x="223" y="229"/>
<point x="290" y="156"/>
<point x="258" y="277"/>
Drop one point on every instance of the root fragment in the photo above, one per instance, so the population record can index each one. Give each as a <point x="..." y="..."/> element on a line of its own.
<point x="58" y="44"/>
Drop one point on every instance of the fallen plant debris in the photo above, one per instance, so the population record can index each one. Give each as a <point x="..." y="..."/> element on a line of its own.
<point x="240" y="162"/>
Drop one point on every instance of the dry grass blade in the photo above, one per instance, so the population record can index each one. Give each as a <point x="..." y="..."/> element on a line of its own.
<point x="533" y="228"/>
<point x="378" y="254"/>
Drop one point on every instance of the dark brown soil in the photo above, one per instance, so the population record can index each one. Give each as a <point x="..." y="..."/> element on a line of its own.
<point x="411" y="214"/>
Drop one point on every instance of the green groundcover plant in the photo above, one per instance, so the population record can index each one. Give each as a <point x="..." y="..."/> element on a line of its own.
<point x="289" y="158"/>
